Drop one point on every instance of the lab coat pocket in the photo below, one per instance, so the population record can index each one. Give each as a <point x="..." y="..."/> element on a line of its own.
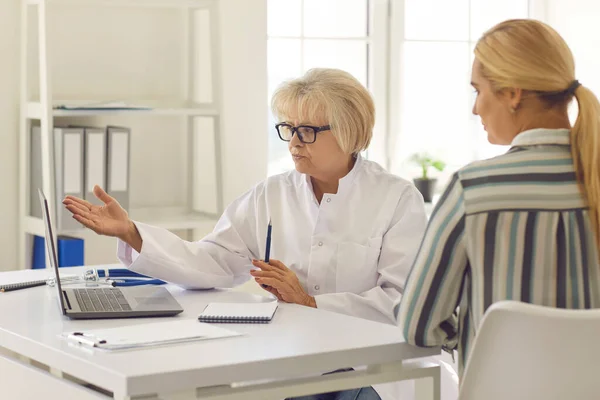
<point x="356" y="269"/>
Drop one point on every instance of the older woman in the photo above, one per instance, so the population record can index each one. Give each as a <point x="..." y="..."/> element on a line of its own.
<point x="525" y="225"/>
<point x="345" y="231"/>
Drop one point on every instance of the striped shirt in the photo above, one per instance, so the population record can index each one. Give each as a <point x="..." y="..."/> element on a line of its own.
<point x="514" y="227"/>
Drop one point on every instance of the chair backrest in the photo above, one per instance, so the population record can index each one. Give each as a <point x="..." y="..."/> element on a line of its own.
<point x="525" y="351"/>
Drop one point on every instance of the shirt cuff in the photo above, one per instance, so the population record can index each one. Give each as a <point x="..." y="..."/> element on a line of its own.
<point x="125" y="253"/>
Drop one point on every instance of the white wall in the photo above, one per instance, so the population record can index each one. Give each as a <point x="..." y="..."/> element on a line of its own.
<point x="578" y="22"/>
<point x="243" y="90"/>
<point x="9" y="94"/>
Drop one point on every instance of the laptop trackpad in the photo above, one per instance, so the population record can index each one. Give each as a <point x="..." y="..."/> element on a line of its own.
<point x="152" y="301"/>
<point x="148" y="298"/>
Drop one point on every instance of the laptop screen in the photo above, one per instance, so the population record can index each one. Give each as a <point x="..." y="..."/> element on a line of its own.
<point x="50" y="246"/>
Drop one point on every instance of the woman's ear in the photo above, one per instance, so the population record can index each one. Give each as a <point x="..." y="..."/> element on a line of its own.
<point x="514" y="98"/>
<point x="510" y="97"/>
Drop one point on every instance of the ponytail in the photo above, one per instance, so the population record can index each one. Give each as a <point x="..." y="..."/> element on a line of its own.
<point x="585" y="148"/>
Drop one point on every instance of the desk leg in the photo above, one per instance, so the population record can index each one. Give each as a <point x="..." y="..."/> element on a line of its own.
<point x="428" y="388"/>
<point x="427" y="378"/>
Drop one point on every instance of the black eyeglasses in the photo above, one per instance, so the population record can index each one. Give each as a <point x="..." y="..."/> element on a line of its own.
<point x="306" y="133"/>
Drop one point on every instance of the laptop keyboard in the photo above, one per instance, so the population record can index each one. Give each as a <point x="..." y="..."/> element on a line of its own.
<point x="107" y="299"/>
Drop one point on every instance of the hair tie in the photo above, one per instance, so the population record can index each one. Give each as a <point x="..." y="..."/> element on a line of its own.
<point x="572" y="87"/>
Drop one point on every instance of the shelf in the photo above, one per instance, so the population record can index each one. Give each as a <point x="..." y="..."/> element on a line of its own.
<point x="33" y="225"/>
<point x="127" y="3"/>
<point x="171" y="218"/>
<point x="34" y="110"/>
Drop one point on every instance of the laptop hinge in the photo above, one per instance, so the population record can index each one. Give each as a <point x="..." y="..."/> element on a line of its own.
<point x="67" y="300"/>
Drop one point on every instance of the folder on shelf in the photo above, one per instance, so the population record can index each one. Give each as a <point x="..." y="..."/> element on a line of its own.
<point x="117" y="171"/>
<point x="69" y="177"/>
<point x="95" y="162"/>
<point x="70" y="252"/>
<point x="35" y="171"/>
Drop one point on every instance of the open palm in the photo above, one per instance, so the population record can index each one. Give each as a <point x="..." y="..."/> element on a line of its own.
<point x="109" y="219"/>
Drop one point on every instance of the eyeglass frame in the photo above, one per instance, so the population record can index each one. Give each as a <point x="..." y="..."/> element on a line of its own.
<point x="294" y="129"/>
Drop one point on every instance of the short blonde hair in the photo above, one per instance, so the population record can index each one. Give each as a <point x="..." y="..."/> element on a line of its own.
<point x="334" y="94"/>
<point x="531" y="56"/>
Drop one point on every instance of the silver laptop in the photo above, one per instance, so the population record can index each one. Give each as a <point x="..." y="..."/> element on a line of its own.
<point x="107" y="301"/>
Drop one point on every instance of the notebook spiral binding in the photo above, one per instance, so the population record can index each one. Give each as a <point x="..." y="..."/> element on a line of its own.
<point x="226" y="319"/>
<point x="21" y="285"/>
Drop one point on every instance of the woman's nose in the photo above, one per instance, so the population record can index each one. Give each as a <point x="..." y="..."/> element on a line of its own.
<point x="295" y="141"/>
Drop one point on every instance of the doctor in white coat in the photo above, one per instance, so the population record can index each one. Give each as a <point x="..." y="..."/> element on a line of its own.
<point x="345" y="231"/>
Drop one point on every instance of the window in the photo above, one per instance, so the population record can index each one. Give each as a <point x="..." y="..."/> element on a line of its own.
<point x="303" y="34"/>
<point x="435" y="40"/>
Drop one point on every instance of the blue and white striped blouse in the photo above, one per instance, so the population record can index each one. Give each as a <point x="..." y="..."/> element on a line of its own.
<point x="514" y="227"/>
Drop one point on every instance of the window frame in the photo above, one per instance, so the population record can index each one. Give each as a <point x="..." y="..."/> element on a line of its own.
<point x="378" y="63"/>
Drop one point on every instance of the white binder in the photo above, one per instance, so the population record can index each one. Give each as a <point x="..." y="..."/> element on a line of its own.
<point x="35" y="172"/>
<point x="117" y="178"/>
<point x="68" y="164"/>
<point x="95" y="162"/>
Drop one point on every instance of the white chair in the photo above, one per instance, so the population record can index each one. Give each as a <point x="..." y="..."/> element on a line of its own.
<point x="524" y="351"/>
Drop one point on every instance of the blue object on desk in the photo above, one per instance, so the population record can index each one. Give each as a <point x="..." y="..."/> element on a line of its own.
<point x="126" y="277"/>
<point x="70" y="252"/>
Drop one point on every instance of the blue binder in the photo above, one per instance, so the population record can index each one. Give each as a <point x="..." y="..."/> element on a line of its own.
<point x="70" y="252"/>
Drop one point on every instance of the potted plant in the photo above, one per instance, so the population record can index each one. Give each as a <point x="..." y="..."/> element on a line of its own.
<point x="424" y="183"/>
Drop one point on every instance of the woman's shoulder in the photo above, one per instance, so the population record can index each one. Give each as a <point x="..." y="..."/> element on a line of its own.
<point x="493" y="165"/>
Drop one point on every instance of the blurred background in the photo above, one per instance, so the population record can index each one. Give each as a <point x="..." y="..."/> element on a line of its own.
<point x="204" y="72"/>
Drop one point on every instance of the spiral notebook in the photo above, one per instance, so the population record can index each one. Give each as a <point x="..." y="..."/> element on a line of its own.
<point x="239" y="312"/>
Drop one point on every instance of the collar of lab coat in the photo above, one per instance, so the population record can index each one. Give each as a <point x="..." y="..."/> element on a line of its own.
<point x="346" y="182"/>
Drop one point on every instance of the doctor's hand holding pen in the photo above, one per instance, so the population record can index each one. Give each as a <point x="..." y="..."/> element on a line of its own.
<point x="109" y="219"/>
<point x="282" y="282"/>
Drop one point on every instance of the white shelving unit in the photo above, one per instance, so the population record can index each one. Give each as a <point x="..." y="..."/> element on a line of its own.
<point x="41" y="111"/>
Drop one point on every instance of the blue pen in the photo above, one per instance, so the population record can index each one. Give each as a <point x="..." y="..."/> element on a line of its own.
<point x="268" y="249"/>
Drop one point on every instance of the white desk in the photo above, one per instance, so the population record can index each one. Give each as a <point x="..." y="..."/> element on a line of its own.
<point x="276" y="360"/>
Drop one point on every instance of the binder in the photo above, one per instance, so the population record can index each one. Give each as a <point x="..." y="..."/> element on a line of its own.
<point x="39" y="253"/>
<point x="71" y="252"/>
<point x="150" y="334"/>
<point x="117" y="171"/>
<point x="239" y="312"/>
<point x="95" y="162"/>
<point x="69" y="178"/>
<point x="35" y="171"/>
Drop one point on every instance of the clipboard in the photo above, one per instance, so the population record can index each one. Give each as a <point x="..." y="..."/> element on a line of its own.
<point x="146" y="335"/>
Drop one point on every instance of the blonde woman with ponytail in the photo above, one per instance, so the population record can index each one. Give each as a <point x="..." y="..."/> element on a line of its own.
<point x="525" y="225"/>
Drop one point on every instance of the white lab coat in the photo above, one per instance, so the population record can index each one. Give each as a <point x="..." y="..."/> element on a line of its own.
<point x="352" y="252"/>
